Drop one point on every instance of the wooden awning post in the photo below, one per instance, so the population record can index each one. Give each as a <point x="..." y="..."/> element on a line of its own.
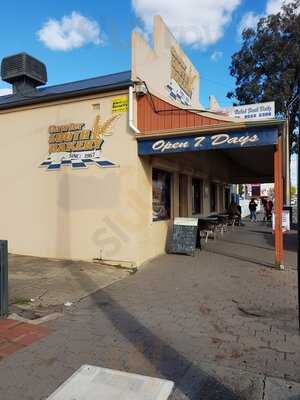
<point x="278" y="181"/>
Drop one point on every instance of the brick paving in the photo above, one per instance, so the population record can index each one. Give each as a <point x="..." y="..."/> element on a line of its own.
<point x="15" y="335"/>
<point x="222" y="325"/>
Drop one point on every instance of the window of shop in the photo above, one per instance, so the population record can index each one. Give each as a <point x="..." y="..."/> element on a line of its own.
<point x="161" y="195"/>
<point x="196" y="196"/>
<point x="213" y="197"/>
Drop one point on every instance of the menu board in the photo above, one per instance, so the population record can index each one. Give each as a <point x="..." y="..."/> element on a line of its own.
<point x="183" y="238"/>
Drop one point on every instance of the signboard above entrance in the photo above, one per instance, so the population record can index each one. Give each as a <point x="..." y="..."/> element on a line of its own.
<point x="259" y="111"/>
<point x="249" y="138"/>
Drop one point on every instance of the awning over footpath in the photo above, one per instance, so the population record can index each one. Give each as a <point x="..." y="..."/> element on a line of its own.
<point x="244" y="149"/>
<point x="226" y="140"/>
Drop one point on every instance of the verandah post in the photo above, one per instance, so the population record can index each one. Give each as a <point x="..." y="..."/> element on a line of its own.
<point x="278" y="183"/>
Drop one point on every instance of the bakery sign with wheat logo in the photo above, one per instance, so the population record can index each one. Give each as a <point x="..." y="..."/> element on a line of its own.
<point x="77" y="146"/>
<point x="180" y="86"/>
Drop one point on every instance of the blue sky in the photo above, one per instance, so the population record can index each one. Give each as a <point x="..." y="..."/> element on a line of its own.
<point x="94" y="37"/>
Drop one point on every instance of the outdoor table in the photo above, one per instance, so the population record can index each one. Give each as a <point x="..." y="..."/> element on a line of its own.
<point x="212" y="220"/>
<point x="207" y="224"/>
<point x="223" y="215"/>
<point x="223" y="218"/>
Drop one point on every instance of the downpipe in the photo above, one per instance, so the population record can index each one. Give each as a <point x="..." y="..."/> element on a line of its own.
<point x="130" y="111"/>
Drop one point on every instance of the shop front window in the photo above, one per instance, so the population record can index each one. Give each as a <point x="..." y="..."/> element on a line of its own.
<point x="196" y="196"/>
<point x="213" y="190"/>
<point x="161" y="195"/>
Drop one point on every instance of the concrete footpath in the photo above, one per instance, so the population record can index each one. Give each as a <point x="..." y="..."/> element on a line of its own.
<point x="50" y="282"/>
<point x="221" y="325"/>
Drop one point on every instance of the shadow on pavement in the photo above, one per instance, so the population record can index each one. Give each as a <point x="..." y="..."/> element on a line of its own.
<point x="247" y="244"/>
<point x="168" y="362"/>
<point x="240" y="258"/>
<point x="289" y="239"/>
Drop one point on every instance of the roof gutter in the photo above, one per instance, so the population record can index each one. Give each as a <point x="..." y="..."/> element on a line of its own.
<point x="20" y="102"/>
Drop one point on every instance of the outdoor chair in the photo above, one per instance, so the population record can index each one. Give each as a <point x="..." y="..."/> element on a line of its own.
<point x="220" y="228"/>
<point x="209" y="230"/>
<point x="231" y="222"/>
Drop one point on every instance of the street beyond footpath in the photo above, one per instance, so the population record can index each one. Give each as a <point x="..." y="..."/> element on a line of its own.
<point x="221" y="325"/>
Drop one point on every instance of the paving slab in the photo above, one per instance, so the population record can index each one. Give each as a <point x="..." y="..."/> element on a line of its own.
<point x="91" y="382"/>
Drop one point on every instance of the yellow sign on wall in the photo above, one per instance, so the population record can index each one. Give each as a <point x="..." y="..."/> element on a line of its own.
<point x="120" y="104"/>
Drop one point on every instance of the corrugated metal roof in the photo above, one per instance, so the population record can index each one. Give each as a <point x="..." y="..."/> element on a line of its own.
<point x="99" y="84"/>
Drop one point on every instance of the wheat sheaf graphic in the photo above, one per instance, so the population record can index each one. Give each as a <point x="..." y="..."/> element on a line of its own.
<point x="101" y="129"/>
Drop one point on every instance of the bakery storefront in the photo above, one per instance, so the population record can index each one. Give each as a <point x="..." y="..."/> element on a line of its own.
<point x="97" y="169"/>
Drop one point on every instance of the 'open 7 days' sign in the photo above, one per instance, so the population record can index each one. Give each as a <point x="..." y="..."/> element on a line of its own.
<point x="166" y="145"/>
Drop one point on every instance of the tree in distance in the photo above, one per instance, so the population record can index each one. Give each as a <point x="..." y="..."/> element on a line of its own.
<point x="267" y="67"/>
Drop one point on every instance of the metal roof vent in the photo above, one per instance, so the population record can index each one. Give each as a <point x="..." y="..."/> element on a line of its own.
<point x="24" y="72"/>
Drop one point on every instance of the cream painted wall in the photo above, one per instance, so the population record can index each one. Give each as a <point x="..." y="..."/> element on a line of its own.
<point x="146" y="61"/>
<point x="78" y="214"/>
<point x="87" y="213"/>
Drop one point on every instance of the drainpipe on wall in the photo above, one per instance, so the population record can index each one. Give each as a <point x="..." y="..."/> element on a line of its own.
<point x="130" y="111"/>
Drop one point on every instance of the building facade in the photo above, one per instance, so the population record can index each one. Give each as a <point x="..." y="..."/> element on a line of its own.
<point x="97" y="169"/>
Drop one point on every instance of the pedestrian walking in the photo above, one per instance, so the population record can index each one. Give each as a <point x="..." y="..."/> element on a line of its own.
<point x="252" y="209"/>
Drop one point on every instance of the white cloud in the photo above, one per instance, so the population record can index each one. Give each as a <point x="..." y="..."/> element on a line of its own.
<point x="71" y="32"/>
<point x="6" y="91"/>
<point x="193" y="22"/>
<point x="249" y="20"/>
<point x="216" y="56"/>
<point x="274" y="6"/>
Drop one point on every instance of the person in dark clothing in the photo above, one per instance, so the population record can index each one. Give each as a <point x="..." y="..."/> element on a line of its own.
<point x="234" y="212"/>
<point x="252" y="208"/>
<point x="269" y="209"/>
<point x="264" y="202"/>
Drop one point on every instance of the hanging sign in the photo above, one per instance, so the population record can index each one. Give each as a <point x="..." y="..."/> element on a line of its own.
<point x="77" y="146"/>
<point x="179" y="144"/>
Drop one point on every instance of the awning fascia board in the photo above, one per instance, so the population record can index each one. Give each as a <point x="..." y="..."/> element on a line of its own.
<point x="255" y="137"/>
<point x="212" y="129"/>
